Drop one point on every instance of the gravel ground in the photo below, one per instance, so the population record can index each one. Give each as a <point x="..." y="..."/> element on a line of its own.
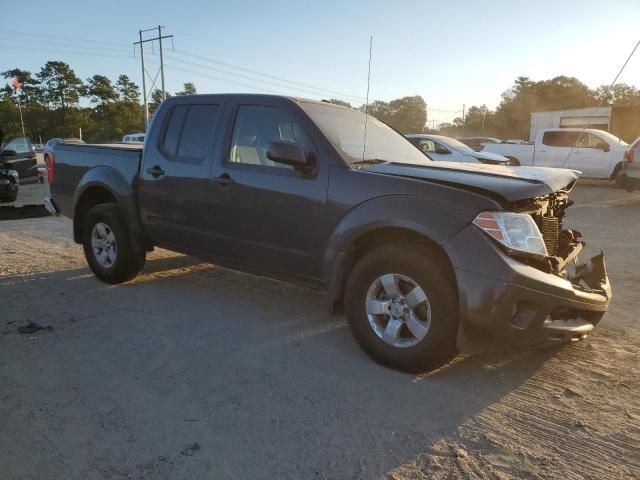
<point x="192" y="371"/>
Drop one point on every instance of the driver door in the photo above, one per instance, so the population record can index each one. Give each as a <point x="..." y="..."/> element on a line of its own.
<point x="591" y="156"/>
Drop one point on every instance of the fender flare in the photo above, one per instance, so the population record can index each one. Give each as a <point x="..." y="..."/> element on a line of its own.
<point x="428" y="218"/>
<point x="111" y="180"/>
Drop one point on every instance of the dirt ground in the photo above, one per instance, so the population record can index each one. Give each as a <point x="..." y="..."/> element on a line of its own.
<point x="192" y="371"/>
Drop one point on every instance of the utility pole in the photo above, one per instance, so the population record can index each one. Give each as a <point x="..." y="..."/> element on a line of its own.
<point x="141" y="42"/>
<point x="144" y="85"/>
<point x="164" y="92"/>
<point x="463" y="108"/>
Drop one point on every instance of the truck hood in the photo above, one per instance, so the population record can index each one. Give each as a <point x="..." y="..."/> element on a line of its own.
<point x="510" y="183"/>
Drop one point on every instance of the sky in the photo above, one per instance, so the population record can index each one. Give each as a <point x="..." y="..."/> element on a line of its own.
<point x="451" y="53"/>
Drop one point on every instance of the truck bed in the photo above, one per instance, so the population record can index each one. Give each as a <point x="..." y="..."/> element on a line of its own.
<point x="73" y="162"/>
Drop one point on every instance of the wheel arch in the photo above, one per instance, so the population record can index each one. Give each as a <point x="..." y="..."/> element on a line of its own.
<point x="105" y="185"/>
<point x="617" y="168"/>
<point x="362" y="231"/>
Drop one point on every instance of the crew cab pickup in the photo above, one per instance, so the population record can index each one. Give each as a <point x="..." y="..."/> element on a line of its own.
<point x="595" y="153"/>
<point x="425" y="257"/>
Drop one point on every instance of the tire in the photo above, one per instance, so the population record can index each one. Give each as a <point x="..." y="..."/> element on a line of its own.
<point x="105" y="225"/>
<point x="10" y="198"/>
<point x="425" y="268"/>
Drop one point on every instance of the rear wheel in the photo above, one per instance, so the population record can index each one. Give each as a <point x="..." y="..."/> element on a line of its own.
<point x="402" y="307"/>
<point x="108" y="247"/>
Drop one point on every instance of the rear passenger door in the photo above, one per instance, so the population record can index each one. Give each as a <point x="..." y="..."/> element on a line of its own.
<point x="175" y="174"/>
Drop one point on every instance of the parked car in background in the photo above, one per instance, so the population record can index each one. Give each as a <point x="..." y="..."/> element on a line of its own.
<point x="8" y="182"/>
<point x="595" y="153"/>
<point x="18" y="155"/>
<point x="630" y="177"/>
<point x="133" y="138"/>
<point x="48" y="148"/>
<point x="421" y="254"/>
<point x="477" y="143"/>
<point x="441" y="148"/>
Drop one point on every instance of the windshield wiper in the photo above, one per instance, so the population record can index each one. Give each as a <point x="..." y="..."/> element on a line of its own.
<point x="367" y="162"/>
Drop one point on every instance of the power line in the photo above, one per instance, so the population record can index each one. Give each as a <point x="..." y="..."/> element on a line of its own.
<point x="250" y="78"/>
<point x="263" y="74"/>
<point x="624" y="65"/>
<point x="15" y="33"/>
<point x="115" y="48"/>
<point x="69" y="52"/>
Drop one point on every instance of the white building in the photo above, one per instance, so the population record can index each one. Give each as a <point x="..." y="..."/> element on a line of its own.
<point x="597" y="117"/>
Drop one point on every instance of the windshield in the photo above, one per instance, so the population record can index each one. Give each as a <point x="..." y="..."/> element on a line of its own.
<point x="454" y="144"/>
<point x="345" y="130"/>
<point x="612" y="138"/>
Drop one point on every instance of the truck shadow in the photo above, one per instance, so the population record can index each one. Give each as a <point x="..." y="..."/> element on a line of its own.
<point x="255" y="371"/>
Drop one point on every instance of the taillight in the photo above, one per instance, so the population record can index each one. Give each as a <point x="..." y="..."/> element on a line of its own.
<point x="51" y="163"/>
<point x="628" y="155"/>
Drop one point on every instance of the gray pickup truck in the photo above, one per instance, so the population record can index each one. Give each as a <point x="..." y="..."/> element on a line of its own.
<point x="427" y="258"/>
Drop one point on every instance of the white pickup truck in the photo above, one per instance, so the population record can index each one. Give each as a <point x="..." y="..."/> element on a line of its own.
<point x="596" y="153"/>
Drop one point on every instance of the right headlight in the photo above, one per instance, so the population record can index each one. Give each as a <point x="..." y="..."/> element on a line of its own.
<point x="516" y="231"/>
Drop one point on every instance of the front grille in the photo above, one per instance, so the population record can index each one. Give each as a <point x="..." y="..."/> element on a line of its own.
<point x="550" y="229"/>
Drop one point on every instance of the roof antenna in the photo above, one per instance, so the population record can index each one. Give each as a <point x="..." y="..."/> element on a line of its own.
<point x="366" y="108"/>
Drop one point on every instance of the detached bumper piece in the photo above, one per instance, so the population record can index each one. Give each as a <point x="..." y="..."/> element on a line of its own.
<point x="51" y="206"/>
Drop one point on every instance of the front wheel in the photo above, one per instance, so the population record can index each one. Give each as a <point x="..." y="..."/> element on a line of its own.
<point x="9" y="198"/>
<point x="402" y="307"/>
<point x="107" y="244"/>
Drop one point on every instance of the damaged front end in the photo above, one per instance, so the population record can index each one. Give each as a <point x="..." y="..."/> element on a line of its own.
<point x="541" y="293"/>
<point x="563" y="246"/>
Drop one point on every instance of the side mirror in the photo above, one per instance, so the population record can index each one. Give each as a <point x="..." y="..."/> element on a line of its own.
<point x="289" y="154"/>
<point x="8" y="153"/>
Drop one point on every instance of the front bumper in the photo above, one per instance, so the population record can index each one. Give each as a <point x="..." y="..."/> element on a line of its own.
<point x="505" y="301"/>
<point x="629" y="179"/>
<point x="7" y="188"/>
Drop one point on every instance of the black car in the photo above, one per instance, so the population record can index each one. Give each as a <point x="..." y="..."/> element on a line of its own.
<point x="8" y="183"/>
<point x="425" y="257"/>
<point x="18" y="155"/>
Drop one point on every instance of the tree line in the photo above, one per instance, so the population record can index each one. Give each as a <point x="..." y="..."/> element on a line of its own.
<point x="57" y="103"/>
<point x="512" y="117"/>
<point x="52" y="106"/>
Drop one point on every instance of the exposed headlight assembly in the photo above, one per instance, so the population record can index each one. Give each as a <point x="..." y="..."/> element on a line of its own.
<point x="516" y="231"/>
<point x="14" y="174"/>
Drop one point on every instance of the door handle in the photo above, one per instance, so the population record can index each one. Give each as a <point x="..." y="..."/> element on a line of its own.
<point x="156" y="171"/>
<point x="224" y="180"/>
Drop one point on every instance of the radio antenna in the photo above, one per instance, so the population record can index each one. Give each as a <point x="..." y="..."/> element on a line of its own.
<point x="366" y="107"/>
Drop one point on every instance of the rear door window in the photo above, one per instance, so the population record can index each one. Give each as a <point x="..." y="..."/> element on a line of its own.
<point x="189" y="132"/>
<point x="560" y="139"/>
